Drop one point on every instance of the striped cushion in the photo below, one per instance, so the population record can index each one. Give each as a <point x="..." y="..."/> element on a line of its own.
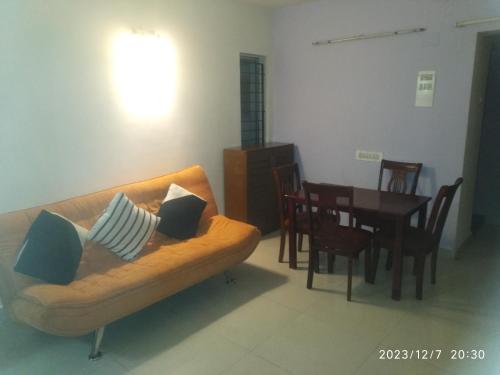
<point x="124" y="228"/>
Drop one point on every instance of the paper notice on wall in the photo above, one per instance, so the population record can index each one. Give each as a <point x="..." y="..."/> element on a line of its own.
<point x="426" y="83"/>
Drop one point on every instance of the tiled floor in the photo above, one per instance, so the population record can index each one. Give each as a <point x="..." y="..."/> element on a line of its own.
<point x="268" y="323"/>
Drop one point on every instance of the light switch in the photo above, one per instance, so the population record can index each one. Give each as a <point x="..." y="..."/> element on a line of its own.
<point x="369" y="155"/>
<point x="426" y="83"/>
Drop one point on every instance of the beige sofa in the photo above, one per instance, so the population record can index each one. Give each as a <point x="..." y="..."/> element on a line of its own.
<point x="106" y="287"/>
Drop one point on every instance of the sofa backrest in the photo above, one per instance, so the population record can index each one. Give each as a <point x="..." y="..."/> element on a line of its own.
<point x="85" y="211"/>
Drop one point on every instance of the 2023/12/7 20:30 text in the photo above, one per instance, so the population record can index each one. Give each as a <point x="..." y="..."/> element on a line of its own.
<point x="431" y="354"/>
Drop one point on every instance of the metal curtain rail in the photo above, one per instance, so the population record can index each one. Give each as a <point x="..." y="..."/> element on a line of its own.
<point x="369" y="36"/>
<point x="477" y="21"/>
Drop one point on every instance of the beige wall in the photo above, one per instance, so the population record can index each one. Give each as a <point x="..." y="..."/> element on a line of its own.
<point x="63" y="132"/>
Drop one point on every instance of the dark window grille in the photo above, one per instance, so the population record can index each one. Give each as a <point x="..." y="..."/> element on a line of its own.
<point x="252" y="100"/>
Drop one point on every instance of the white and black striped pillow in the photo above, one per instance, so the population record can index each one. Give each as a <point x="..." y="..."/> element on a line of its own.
<point x="124" y="228"/>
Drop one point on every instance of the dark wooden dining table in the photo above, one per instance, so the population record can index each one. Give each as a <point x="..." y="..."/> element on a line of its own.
<point x="391" y="207"/>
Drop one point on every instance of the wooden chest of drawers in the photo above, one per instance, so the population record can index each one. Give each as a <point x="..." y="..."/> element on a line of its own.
<point x="249" y="193"/>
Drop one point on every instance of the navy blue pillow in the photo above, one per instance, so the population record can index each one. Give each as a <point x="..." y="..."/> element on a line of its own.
<point x="52" y="249"/>
<point x="180" y="213"/>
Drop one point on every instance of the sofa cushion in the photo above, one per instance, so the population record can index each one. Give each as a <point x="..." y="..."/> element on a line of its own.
<point x="52" y="249"/>
<point x="180" y="213"/>
<point x="124" y="228"/>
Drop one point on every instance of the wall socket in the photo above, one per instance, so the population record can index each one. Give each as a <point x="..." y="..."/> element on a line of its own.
<point x="369" y="155"/>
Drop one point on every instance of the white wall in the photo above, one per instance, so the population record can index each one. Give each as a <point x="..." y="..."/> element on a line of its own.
<point x="62" y="131"/>
<point x="331" y="100"/>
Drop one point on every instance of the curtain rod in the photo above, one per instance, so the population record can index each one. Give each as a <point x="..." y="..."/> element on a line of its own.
<point x="477" y="21"/>
<point x="369" y="36"/>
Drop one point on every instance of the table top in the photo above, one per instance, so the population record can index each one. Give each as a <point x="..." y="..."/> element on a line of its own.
<point x="258" y="146"/>
<point x="383" y="203"/>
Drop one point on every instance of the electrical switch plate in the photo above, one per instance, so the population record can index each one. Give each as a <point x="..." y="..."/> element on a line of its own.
<point x="426" y="84"/>
<point x="369" y="155"/>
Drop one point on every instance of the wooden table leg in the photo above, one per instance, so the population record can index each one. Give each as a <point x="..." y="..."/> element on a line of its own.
<point x="292" y="248"/>
<point x="422" y="216"/>
<point x="397" y="260"/>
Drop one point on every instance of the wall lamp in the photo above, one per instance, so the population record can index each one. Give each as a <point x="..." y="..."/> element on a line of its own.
<point x="144" y="73"/>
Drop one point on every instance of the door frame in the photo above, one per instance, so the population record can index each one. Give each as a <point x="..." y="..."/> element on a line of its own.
<point x="473" y="137"/>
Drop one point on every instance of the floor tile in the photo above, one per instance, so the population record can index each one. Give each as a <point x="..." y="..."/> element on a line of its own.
<point x="252" y="323"/>
<point x="252" y="365"/>
<point x="203" y="354"/>
<point x="309" y="346"/>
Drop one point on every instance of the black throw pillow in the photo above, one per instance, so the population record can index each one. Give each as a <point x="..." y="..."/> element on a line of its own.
<point x="52" y="249"/>
<point x="180" y="213"/>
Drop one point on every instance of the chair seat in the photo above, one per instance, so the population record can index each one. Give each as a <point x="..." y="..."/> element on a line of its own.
<point x="301" y="222"/>
<point x="343" y="239"/>
<point x="367" y="219"/>
<point x="414" y="240"/>
<point x="372" y="220"/>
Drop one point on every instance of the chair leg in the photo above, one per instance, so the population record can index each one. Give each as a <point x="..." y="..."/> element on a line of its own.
<point x="311" y="267"/>
<point x="331" y="261"/>
<point x="376" y="256"/>
<point x="301" y="238"/>
<point x="368" y="265"/>
<point x="316" y="262"/>
<point x="358" y="226"/>
<point x="282" y="245"/>
<point x="349" y="278"/>
<point x="433" y="266"/>
<point x="388" y="262"/>
<point x="420" y="265"/>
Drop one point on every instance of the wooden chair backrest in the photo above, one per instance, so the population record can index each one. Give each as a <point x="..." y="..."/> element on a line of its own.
<point x="286" y="180"/>
<point x="398" y="180"/>
<point x="440" y="210"/>
<point x="325" y="198"/>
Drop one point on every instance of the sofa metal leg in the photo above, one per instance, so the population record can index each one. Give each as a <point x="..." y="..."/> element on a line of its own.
<point x="229" y="279"/>
<point x="95" y="353"/>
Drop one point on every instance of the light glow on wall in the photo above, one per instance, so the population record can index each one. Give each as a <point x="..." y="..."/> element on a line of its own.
<point x="144" y="71"/>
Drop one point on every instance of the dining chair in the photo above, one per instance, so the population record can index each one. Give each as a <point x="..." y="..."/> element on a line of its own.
<point x="327" y="234"/>
<point x="400" y="173"/>
<point x="287" y="180"/>
<point x="402" y="178"/>
<point x="419" y="243"/>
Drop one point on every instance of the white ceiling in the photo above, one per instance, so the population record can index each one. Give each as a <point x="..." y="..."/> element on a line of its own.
<point x="274" y="3"/>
